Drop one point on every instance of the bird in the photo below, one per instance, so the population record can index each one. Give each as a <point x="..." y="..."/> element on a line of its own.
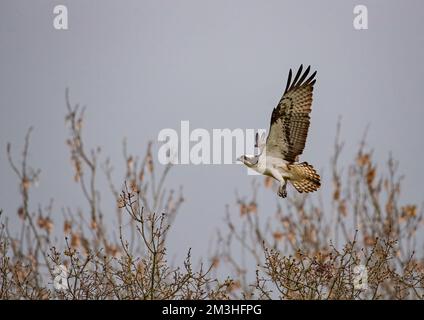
<point x="279" y="153"/>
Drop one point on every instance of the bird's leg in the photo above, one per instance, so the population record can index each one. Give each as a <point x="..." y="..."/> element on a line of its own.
<point x="282" y="191"/>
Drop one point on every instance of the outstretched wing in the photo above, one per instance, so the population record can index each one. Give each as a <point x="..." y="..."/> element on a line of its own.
<point x="260" y="141"/>
<point x="290" y="119"/>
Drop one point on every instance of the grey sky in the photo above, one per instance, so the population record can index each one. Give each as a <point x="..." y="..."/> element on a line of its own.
<point x="141" y="66"/>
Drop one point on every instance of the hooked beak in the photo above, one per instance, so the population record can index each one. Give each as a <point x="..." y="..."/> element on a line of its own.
<point x="239" y="159"/>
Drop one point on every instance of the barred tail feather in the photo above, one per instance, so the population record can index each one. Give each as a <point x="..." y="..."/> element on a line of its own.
<point x="306" y="179"/>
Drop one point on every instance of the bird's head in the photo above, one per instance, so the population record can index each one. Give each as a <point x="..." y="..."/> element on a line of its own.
<point x="249" y="161"/>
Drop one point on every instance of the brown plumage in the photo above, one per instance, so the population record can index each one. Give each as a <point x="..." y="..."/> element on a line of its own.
<point x="290" y="119"/>
<point x="305" y="178"/>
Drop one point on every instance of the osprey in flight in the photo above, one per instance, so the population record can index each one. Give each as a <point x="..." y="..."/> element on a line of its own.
<point x="279" y="153"/>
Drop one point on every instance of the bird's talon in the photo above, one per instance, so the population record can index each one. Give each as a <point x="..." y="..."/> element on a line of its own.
<point x="282" y="191"/>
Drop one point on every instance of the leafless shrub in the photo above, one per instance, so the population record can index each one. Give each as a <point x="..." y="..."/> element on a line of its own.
<point x="308" y="252"/>
<point x="133" y="266"/>
<point x="304" y="251"/>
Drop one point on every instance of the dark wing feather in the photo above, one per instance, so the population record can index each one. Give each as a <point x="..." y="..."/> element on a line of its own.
<point x="290" y="119"/>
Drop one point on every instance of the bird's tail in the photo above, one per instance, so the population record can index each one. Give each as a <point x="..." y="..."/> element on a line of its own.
<point x="305" y="178"/>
